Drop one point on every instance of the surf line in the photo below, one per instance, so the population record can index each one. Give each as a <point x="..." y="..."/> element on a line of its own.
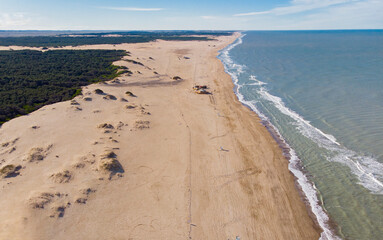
<point x="308" y="188"/>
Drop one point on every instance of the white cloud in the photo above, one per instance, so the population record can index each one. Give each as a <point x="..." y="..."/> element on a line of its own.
<point x="208" y="17"/>
<point x="365" y="14"/>
<point x="297" y="6"/>
<point x="9" y="20"/>
<point x="134" y="9"/>
<point x="359" y="15"/>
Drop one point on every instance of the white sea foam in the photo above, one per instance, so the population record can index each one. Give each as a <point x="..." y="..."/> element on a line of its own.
<point x="304" y="126"/>
<point x="368" y="170"/>
<point x="308" y="188"/>
<point x="256" y="81"/>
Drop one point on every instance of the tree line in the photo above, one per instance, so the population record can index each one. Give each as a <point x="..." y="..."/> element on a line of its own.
<point x="32" y="79"/>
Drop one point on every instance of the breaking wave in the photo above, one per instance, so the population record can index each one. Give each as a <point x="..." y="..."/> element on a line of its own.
<point x="308" y="188"/>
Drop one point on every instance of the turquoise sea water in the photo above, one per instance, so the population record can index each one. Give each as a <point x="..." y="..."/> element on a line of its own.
<point x="322" y="91"/>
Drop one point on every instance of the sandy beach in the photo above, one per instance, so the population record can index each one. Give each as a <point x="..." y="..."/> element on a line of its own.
<point x="145" y="157"/>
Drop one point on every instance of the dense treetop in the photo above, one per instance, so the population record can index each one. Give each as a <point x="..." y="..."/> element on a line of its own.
<point x="31" y="79"/>
<point x="76" y="39"/>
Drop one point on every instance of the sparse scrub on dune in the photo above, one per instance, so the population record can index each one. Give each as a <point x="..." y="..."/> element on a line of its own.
<point x="62" y="177"/>
<point x="110" y="164"/>
<point x="130" y="94"/>
<point x="38" y="154"/>
<point x="109" y="97"/>
<point x="98" y="91"/>
<point x="134" y="62"/>
<point x="106" y="126"/>
<point x="140" y="124"/>
<point x="9" y="171"/>
<point x="130" y="106"/>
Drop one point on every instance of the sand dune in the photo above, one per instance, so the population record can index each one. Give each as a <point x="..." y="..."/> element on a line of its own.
<point x="144" y="157"/>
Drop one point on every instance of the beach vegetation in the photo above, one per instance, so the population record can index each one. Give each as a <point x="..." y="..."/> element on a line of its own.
<point x="9" y="170"/>
<point x="98" y="91"/>
<point x="31" y="79"/>
<point x="129" y="93"/>
<point x="60" y="40"/>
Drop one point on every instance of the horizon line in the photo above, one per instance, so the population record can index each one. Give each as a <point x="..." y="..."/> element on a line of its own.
<point x="213" y="30"/>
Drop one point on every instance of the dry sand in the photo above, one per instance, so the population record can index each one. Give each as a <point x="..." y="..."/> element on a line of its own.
<point x="149" y="166"/>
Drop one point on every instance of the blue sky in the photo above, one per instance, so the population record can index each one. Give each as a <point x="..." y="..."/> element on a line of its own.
<point x="196" y="14"/>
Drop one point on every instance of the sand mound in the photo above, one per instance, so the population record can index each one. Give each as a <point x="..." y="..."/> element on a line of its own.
<point x="108" y="154"/>
<point x="143" y="111"/>
<point x="88" y="99"/>
<point x="120" y="125"/>
<point x="10" y="171"/>
<point x="74" y="102"/>
<point x="130" y="94"/>
<point x="76" y="108"/>
<point x="123" y="100"/>
<point x="116" y="81"/>
<point x="41" y="200"/>
<point x="85" y="192"/>
<point x="82" y="161"/>
<point x="106" y="126"/>
<point x="62" y="177"/>
<point x="109" y="97"/>
<point x="58" y="211"/>
<point x="130" y="106"/>
<point x="111" y="165"/>
<point x="98" y="91"/>
<point x="58" y="200"/>
<point x="81" y="200"/>
<point x="11" y="143"/>
<point x="38" y="154"/>
<point x="79" y="165"/>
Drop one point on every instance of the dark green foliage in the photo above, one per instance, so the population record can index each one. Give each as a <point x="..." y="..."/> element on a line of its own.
<point x="159" y="34"/>
<point x="78" y="92"/>
<point x="99" y="38"/>
<point x="48" y="41"/>
<point x="32" y="79"/>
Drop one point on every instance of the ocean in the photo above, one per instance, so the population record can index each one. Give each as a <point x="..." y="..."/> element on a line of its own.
<point x="321" y="92"/>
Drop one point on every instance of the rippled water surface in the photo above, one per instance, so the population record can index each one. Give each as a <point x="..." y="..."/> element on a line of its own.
<point x="323" y="92"/>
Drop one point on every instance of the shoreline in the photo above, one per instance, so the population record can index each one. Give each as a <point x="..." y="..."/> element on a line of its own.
<point x="186" y="185"/>
<point x="305" y="187"/>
